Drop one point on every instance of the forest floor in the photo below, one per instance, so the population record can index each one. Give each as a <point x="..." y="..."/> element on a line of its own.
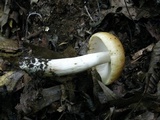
<point x="60" y="29"/>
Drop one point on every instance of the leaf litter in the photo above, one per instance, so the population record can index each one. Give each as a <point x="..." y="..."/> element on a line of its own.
<point x="63" y="31"/>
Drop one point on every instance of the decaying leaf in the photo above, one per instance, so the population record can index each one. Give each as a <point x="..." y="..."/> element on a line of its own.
<point x="13" y="80"/>
<point x="4" y="18"/>
<point x="110" y="94"/>
<point x="5" y="78"/>
<point x="146" y="116"/>
<point x="33" y="1"/>
<point x="35" y="100"/>
<point x="14" y="16"/>
<point x="89" y="102"/>
<point x="61" y="108"/>
<point x="1" y="9"/>
<point x="53" y="41"/>
<point x="140" y="52"/>
<point x="153" y="30"/>
<point x="153" y="74"/>
<point x="3" y="64"/>
<point x="9" y="47"/>
<point x="127" y="8"/>
<point x="121" y="3"/>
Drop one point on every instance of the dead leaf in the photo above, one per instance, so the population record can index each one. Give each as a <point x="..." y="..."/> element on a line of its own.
<point x="153" y="30"/>
<point x="61" y="108"/>
<point x="121" y="3"/>
<point x="140" y="52"/>
<point x="146" y="116"/>
<point x="109" y="94"/>
<point x="129" y="10"/>
<point x="35" y="100"/>
<point x="14" y="15"/>
<point x="1" y="9"/>
<point x="33" y="1"/>
<point x="4" y="17"/>
<point x="13" y="80"/>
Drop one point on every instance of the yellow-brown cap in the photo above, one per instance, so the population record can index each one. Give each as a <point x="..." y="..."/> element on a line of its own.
<point x="101" y="42"/>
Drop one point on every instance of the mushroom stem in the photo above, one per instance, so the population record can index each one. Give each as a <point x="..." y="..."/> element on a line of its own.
<point x="106" y="56"/>
<point x="65" y="66"/>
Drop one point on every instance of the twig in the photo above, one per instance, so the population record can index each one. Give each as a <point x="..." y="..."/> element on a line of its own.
<point x="34" y="34"/>
<point x="128" y="11"/>
<point x="33" y="13"/>
<point x="88" y="12"/>
<point x="139" y="53"/>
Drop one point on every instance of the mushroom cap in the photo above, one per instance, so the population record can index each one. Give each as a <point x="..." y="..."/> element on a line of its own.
<point x="101" y="42"/>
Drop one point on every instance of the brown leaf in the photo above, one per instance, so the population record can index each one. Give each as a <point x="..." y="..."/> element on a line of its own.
<point x="35" y="100"/>
<point x="110" y="94"/>
<point x="13" y="80"/>
<point x="4" y="18"/>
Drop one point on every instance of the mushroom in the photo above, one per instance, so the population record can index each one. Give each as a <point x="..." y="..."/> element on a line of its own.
<point x="105" y="54"/>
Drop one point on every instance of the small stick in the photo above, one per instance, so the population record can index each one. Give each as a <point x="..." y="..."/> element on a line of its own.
<point x="33" y="13"/>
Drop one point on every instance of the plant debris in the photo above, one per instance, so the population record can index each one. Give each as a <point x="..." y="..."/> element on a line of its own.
<point x="59" y="29"/>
